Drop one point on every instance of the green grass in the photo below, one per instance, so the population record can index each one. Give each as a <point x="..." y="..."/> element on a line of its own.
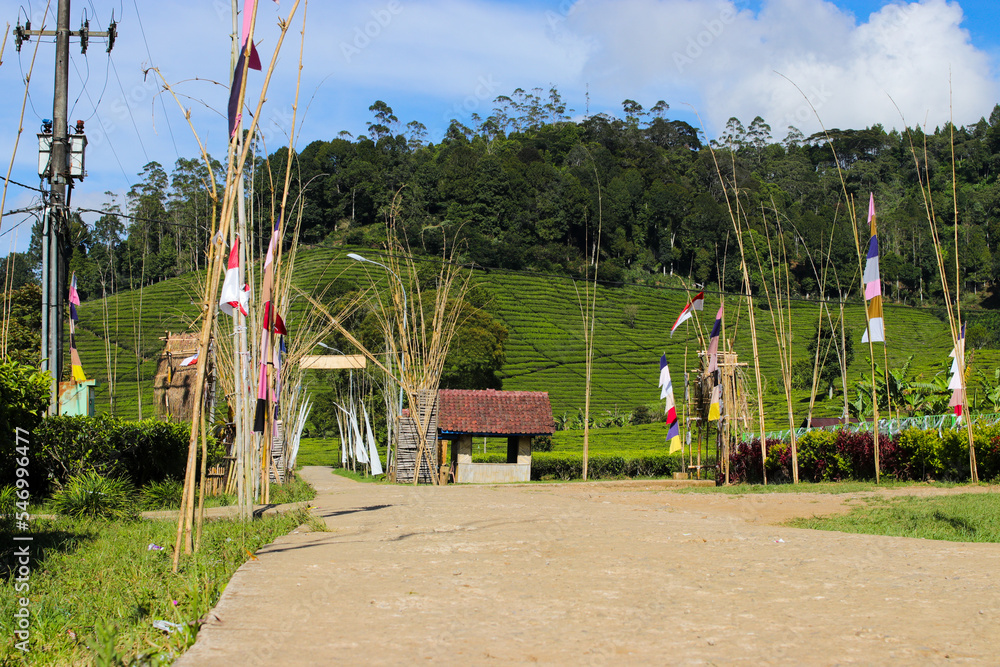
<point x="816" y="487"/>
<point x="318" y="452"/>
<point x="545" y="347"/>
<point x="969" y="517"/>
<point x="95" y="582"/>
<point x="358" y="477"/>
<point x="294" y="490"/>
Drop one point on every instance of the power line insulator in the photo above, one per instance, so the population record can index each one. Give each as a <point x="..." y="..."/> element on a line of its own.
<point x="112" y="33"/>
<point x="21" y="34"/>
<point x="84" y="36"/>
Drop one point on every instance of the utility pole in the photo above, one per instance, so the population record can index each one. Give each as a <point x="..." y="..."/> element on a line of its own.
<point x="65" y="162"/>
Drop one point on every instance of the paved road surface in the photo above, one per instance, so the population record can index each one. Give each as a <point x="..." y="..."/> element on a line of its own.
<point x="596" y="574"/>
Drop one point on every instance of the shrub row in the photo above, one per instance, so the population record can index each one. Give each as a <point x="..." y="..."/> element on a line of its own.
<point x="142" y="451"/>
<point x="563" y="466"/>
<point x="910" y="455"/>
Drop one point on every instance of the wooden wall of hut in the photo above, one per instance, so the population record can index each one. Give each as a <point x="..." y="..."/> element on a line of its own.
<point x="173" y="384"/>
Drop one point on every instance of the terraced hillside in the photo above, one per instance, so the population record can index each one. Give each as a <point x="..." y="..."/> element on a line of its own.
<point x="545" y="350"/>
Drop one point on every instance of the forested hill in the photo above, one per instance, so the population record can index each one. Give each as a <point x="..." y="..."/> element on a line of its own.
<point x="528" y="188"/>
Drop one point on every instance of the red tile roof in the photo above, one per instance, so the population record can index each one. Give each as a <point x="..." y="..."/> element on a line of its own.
<point x="493" y="412"/>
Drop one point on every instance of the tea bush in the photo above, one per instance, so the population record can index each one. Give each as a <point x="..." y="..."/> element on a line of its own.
<point x="143" y="451"/>
<point x="567" y="466"/>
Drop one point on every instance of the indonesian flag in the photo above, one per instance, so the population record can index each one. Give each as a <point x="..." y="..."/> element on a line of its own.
<point x="697" y="303"/>
<point x="667" y="392"/>
<point x="233" y="295"/>
<point x="279" y="325"/>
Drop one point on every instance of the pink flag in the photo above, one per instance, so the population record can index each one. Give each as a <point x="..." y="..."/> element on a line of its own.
<point x="74" y="296"/>
<point x="248" y="7"/>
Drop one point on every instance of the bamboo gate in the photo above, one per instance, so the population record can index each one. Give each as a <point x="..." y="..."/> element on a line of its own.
<point x="734" y="412"/>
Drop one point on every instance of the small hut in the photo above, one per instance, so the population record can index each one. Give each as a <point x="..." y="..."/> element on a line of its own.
<point x="173" y="384"/>
<point x="516" y="415"/>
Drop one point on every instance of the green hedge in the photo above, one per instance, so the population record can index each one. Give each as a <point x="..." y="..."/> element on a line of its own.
<point x="143" y="451"/>
<point x="563" y="466"/>
<point x="24" y="397"/>
<point x="913" y="454"/>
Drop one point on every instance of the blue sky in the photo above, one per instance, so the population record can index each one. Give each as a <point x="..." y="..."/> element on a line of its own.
<point x="433" y="60"/>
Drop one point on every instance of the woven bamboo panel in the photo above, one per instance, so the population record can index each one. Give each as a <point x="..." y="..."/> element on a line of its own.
<point x="409" y="442"/>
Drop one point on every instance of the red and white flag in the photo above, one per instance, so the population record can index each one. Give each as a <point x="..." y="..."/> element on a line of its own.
<point x="697" y="303"/>
<point x="233" y="295"/>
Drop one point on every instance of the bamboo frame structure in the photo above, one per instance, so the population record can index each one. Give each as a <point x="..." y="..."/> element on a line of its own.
<point x="417" y="331"/>
<point x="220" y="229"/>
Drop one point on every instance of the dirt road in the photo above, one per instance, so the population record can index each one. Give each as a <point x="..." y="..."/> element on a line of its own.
<point x="596" y="574"/>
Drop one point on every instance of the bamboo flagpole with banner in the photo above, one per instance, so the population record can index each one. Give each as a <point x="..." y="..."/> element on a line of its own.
<point x="712" y="370"/>
<point x="219" y="231"/>
<point x="667" y="394"/>
<point x="957" y="381"/>
<point x="875" y="328"/>
<point x="691" y="309"/>
<point x="74" y="301"/>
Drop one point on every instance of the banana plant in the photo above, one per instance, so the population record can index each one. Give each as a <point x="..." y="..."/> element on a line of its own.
<point x="991" y="391"/>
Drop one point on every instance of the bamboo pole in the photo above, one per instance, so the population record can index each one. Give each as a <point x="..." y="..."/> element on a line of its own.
<point x="852" y="214"/>
<point x="201" y="489"/>
<point x="588" y="310"/>
<point x="735" y="218"/>
<point x="10" y="167"/>
<point x="215" y="255"/>
<point x="956" y="323"/>
<point x="849" y="201"/>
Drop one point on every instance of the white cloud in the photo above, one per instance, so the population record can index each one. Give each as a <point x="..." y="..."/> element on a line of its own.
<point x="432" y="60"/>
<point x="723" y="58"/>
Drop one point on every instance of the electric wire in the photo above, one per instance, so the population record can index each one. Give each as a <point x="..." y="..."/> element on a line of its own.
<point x="128" y="108"/>
<point x="13" y="182"/>
<point x="83" y="84"/>
<point x="142" y="31"/>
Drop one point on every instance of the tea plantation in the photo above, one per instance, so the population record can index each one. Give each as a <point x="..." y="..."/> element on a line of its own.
<point x="545" y="349"/>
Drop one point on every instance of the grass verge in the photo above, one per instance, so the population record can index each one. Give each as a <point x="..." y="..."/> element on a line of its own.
<point x="358" y="477"/>
<point x="96" y="587"/>
<point x="968" y="517"/>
